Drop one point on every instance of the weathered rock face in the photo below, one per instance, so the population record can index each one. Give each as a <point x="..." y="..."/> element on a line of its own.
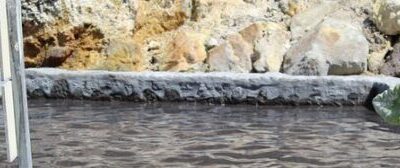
<point x="202" y="35"/>
<point x="335" y="47"/>
<point x="81" y="26"/>
<point x="392" y="65"/>
<point x="119" y="15"/>
<point x="386" y="15"/>
<point x="151" y="29"/>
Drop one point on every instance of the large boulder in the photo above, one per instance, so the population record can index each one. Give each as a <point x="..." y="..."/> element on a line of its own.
<point x="392" y="65"/>
<point x="335" y="47"/>
<point x="306" y="21"/>
<point x="56" y="56"/>
<point x="386" y="15"/>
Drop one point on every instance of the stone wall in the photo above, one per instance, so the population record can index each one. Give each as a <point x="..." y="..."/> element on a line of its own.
<point x="215" y="87"/>
<point x="299" y="37"/>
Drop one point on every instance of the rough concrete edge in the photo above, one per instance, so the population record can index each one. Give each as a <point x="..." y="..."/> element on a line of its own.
<point x="220" y="88"/>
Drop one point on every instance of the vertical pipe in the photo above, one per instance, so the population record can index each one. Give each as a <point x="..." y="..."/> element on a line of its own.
<point x="19" y="85"/>
<point x="7" y="89"/>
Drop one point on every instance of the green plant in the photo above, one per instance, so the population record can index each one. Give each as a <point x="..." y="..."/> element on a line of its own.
<point x="387" y="105"/>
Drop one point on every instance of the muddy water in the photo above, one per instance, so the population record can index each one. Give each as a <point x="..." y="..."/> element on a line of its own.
<point x="122" y="134"/>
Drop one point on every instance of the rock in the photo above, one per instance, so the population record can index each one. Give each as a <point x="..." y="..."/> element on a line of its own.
<point x="56" y="56"/>
<point x="232" y="56"/>
<point x="212" y="42"/>
<point x="150" y="27"/>
<point x="392" y="64"/>
<point x="376" y="59"/>
<point x="84" y="60"/>
<point x="335" y="47"/>
<point x="270" y="42"/>
<point x="87" y="41"/>
<point x="154" y="18"/>
<point x="34" y="52"/>
<point x="115" y="18"/>
<point x="307" y="20"/>
<point x="123" y="56"/>
<point x="83" y="26"/>
<point x="293" y="7"/>
<point x="386" y="15"/>
<point x="187" y="52"/>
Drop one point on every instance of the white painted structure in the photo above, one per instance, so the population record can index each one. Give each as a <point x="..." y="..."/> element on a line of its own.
<point x="7" y="89"/>
<point x="12" y="81"/>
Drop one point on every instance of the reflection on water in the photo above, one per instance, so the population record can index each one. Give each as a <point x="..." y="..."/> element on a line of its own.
<point x="123" y="134"/>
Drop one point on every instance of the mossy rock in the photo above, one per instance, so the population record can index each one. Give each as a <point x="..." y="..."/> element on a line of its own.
<point x="387" y="105"/>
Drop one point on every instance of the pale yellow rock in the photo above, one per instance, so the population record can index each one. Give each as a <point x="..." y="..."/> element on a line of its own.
<point x="186" y="52"/>
<point x="335" y="47"/>
<point x="223" y="59"/>
<point x="255" y="32"/>
<point x="232" y="56"/>
<point x="270" y="42"/>
<point x="386" y="15"/>
<point x="123" y="56"/>
<point x="242" y="50"/>
<point x="309" y="19"/>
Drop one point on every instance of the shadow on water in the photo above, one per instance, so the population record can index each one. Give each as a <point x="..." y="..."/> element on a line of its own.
<point x="123" y="134"/>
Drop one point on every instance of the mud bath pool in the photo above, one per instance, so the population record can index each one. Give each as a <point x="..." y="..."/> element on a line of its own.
<point x="123" y="134"/>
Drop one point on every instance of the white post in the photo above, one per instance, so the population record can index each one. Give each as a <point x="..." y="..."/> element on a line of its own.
<point x="19" y="86"/>
<point x="7" y="89"/>
<point x="14" y="95"/>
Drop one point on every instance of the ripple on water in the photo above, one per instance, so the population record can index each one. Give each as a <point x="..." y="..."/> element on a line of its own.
<point x="123" y="134"/>
<point x="70" y="163"/>
<point x="117" y="153"/>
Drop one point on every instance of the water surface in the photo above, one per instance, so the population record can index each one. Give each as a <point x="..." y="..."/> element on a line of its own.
<point x="123" y="134"/>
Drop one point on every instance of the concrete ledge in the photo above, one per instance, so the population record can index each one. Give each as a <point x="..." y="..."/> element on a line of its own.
<point x="218" y="88"/>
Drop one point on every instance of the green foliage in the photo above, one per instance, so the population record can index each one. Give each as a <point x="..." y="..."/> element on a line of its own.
<point x="387" y="105"/>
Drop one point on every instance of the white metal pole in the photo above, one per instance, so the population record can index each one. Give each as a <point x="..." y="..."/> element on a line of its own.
<point x="7" y="89"/>
<point x="19" y="86"/>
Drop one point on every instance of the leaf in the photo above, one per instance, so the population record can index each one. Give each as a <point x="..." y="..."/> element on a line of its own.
<point x="387" y="105"/>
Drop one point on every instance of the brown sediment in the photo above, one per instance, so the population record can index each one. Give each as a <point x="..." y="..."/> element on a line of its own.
<point x="82" y="41"/>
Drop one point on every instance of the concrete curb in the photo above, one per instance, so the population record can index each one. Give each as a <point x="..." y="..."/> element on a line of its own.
<point x="229" y="88"/>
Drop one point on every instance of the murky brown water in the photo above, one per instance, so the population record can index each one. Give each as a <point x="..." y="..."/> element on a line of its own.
<point x="122" y="134"/>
